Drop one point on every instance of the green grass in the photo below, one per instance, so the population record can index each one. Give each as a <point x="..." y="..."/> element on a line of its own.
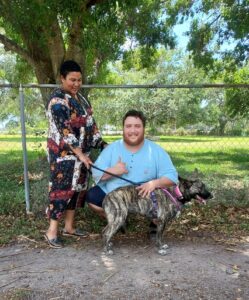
<point x="222" y="161"/>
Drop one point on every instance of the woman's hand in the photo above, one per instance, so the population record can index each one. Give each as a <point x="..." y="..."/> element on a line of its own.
<point x="86" y="160"/>
<point x="82" y="157"/>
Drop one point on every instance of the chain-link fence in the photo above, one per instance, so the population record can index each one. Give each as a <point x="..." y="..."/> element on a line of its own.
<point x="220" y="154"/>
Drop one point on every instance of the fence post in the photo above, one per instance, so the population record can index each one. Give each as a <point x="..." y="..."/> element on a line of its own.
<point x="24" y="150"/>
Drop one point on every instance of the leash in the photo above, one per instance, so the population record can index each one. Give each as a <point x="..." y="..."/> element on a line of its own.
<point x="114" y="175"/>
<point x="152" y="194"/>
<point x="173" y="199"/>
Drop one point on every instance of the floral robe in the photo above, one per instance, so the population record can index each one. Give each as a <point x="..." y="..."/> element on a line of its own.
<point x="70" y="123"/>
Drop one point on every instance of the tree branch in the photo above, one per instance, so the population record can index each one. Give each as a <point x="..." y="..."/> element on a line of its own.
<point x="9" y="45"/>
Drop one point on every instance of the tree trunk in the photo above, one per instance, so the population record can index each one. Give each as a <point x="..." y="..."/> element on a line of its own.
<point x="222" y="125"/>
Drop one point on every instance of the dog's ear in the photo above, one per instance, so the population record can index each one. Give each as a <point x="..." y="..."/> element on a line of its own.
<point x="196" y="174"/>
<point x="187" y="183"/>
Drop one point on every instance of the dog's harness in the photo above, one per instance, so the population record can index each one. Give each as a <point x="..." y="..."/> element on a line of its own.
<point x="174" y="199"/>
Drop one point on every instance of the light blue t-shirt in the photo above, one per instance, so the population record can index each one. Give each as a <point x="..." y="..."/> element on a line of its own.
<point x="148" y="163"/>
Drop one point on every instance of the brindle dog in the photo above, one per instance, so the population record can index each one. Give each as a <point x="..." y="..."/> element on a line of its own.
<point x="124" y="200"/>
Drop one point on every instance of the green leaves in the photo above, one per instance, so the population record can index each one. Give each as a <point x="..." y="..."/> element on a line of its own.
<point x="237" y="100"/>
<point x="44" y="33"/>
<point x="218" y="28"/>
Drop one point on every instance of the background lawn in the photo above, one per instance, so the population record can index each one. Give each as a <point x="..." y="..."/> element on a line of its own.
<point x="222" y="162"/>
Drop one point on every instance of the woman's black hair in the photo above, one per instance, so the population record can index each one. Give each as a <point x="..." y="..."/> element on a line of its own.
<point x="136" y="114"/>
<point x="69" y="66"/>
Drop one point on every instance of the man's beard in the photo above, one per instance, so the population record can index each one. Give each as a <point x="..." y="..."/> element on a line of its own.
<point x="135" y="143"/>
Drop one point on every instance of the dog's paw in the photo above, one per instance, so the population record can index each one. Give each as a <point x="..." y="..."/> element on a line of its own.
<point x="108" y="249"/>
<point x="110" y="244"/>
<point x="178" y="214"/>
<point x="162" y="251"/>
<point x="164" y="247"/>
<point x="109" y="252"/>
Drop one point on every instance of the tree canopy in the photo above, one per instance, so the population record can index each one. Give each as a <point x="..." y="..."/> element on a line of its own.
<point x="178" y="111"/>
<point x="92" y="32"/>
<point x="218" y="31"/>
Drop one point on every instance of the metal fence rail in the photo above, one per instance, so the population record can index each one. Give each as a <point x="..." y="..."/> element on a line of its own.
<point x="136" y="86"/>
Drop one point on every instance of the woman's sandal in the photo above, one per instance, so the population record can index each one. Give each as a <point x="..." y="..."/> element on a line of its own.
<point x="77" y="232"/>
<point x="54" y="243"/>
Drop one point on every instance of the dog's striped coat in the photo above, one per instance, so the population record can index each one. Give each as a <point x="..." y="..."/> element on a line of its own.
<point x="124" y="200"/>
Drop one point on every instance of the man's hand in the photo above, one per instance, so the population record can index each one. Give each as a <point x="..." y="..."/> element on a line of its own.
<point x="120" y="168"/>
<point x="146" y="188"/>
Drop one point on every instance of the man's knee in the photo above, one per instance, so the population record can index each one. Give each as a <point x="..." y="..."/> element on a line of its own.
<point x="90" y="194"/>
<point x="95" y="196"/>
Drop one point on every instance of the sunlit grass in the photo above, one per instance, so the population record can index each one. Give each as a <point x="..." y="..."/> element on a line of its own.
<point x="222" y="161"/>
<point x="218" y="155"/>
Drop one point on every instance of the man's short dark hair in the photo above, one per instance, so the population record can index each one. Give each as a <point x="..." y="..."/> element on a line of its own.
<point x="136" y="114"/>
<point x="69" y="66"/>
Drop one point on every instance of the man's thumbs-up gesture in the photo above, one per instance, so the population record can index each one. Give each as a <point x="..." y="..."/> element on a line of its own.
<point x="120" y="167"/>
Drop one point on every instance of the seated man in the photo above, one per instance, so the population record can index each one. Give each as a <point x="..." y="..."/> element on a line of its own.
<point x="133" y="158"/>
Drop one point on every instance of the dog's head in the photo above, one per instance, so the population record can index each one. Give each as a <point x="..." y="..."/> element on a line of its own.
<point x="194" y="189"/>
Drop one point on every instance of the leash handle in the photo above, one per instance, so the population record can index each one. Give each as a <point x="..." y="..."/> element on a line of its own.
<point x="114" y="175"/>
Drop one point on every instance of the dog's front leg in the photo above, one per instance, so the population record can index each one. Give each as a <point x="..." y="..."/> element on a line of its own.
<point x="162" y="248"/>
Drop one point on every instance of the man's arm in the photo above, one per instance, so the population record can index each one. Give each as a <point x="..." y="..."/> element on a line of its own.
<point x="166" y="173"/>
<point x="146" y="188"/>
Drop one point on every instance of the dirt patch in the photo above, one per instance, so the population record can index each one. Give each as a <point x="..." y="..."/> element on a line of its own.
<point x="193" y="269"/>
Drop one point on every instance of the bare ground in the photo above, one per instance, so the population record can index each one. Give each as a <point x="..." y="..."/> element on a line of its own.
<point x="194" y="268"/>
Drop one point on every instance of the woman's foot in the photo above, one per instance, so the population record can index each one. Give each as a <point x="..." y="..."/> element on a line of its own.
<point x="75" y="232"/>
<point x="53" y="242"/>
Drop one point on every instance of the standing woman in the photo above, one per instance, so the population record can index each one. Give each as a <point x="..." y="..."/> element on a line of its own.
<point x="71" y="135"/>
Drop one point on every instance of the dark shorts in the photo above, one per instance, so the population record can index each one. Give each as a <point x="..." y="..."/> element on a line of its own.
<point x="95" y="195"/>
